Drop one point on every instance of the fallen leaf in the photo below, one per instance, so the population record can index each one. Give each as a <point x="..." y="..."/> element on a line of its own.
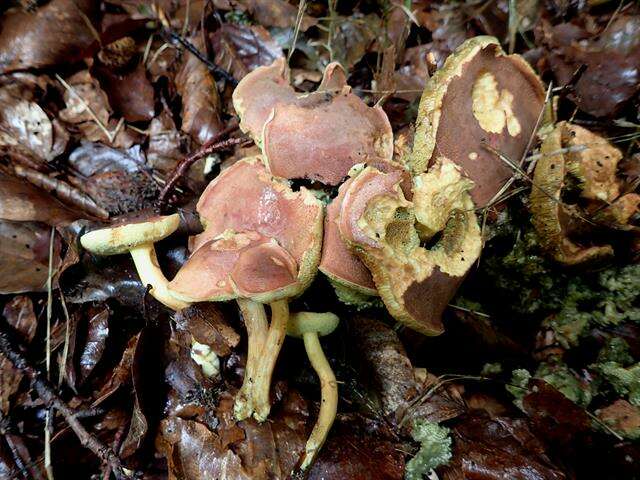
<point x="121" y="374"/>
<point x="240" y="49"/>
<point x="200" y="99"/>
<point x="207" y="324"/>
<point x="20" y="201"/>
<point x="276" y="13"/>
<point x="55" y="33"/>
<point x="130" y="93"/>
<point x="96" y="340"/>
<point x="19" y="314"/>
<point x="24" y="256"/>
<point x="502" y="447"/>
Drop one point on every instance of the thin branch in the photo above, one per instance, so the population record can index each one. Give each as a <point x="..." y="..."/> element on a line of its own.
<point x="48" y="395"/>
<point x="216" y="144"/>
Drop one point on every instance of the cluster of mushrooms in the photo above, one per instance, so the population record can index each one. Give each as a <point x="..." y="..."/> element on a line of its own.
<point x="402" y="227"/>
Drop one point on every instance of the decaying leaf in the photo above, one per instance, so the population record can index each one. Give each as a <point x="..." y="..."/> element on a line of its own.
<point x="55" y="33"/>
<point x="200" y="99"/>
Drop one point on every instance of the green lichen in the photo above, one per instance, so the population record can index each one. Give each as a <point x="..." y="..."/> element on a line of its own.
<point x="354" y="298"/>
<point x="624" y="380"/>
<point x="615" y="350"/>
<point x="566" y="382"/>
<point x="519" y="386"/>
<point x="435" y="449"/>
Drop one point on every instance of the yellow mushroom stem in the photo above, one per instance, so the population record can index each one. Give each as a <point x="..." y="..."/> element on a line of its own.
<point x="146" y="262"/>
<point x="329" y="398"/>
<point x="273" y="343"/>
<point x="255" y="320"/>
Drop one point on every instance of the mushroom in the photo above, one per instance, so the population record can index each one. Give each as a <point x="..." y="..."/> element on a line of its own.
<point x="379" y="225"/>
<point x="137" y="236"/>
<point x="310" y="326"/>
<point x="350" y="278"/>
<point x="553" y="219"/>
<point x="495" y="98"/>
<point x="264" y="247"/>
<point x="318" y="136"/>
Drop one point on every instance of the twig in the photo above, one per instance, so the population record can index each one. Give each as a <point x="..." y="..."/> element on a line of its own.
<point x="48" y="395"/>
<point x="302" y="6"/>
<point x="216" y="144"/>
<point x="173" y="38"/>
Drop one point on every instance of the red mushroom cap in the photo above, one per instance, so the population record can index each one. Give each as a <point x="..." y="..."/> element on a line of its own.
<point x="245" y="197"/>
<point x="237" y="264"/>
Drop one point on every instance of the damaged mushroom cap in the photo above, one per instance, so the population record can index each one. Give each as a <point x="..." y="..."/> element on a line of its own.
<point x="593" y="160"/>
<point x="323" y="137"/>
<point x="237" y="264"/>
<point x="480" y="96"/>
<point x="415" y="284"/>
<point x="129" y="234"/>
<point x="258" y="93"/>
<point x="349" y="276"/>
<point x="245" y="197"/>
<point x="550" y="217"/>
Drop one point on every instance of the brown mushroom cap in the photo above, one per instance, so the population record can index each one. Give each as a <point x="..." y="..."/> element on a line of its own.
<point x="258" y="93"/>
<point x="550" y="217"/>
<point x="237" y="264"/>
<point x="337" y="261"/>
<point x="415" y="284"/>
<point x="322" y="138"/>
<point x="130" y="233"/>
<point x="479" y="95"/>
<point x="318" y="136"/>
<point x="245" y="197"/>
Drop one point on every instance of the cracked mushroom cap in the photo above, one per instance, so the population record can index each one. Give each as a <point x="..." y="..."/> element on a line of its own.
<point x="480" y="96"/>
<point x="237" y="264"/>
<point x="338" y="262"/>
<point x="551" y="218"/>
<point x="129" y="234"/>
<point x="415" y="283"/>
<point x="245" y="197"/>
<point x="317" y="136"/>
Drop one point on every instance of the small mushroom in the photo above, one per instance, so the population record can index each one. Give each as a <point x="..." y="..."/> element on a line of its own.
<point x="310" y="326"/>
<point x="552" y="218"/>
<point x="318" y="136"/>
<point x="481" y="96"/>
<point x="415" y="283"/>
<point x="137" y="236"/>
<point x="262" y="246"/>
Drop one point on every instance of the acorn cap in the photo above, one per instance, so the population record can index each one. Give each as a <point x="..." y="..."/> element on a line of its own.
<point x="130" y="234"/>
<point x="311" y="322"/>
<point x="237" y="264"/>
<point x="245" y="197"/>
<point x="481" y="96"/>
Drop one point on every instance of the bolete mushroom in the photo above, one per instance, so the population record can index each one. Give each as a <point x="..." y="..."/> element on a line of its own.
<point x="379" y="225"/>
<point x="261" y="243"/>
<point x="317" y="136"/>
<point x="137" y="236"/>
<point x="496" y="99"/>
<point x="310" y="326"/>
<point x="551" y="217"/>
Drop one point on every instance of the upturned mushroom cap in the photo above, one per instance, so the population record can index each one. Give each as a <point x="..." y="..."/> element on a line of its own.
<point x="129" y="234"/>
<point x="550" y="217"/>
<point x="245" y="197"/>
<point x="323" y="137"/>
<point x="258" y="93"/>
<point x="415" y="284"/>
<point x="311" y="322"/>
<point x="237" y="264"/>
<point x="318" y="136"/>
<point x="337" y="261"/>
<point x="479" y="95"/>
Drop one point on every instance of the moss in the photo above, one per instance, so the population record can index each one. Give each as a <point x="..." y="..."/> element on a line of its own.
<point x="435" y="449"/>
<point x="625" y="381"/>
<point x="616" y="350"/>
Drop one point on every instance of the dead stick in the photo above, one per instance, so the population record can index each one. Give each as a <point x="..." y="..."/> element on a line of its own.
<point x="212" y="146"/>
<point x="48" y="395"/>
